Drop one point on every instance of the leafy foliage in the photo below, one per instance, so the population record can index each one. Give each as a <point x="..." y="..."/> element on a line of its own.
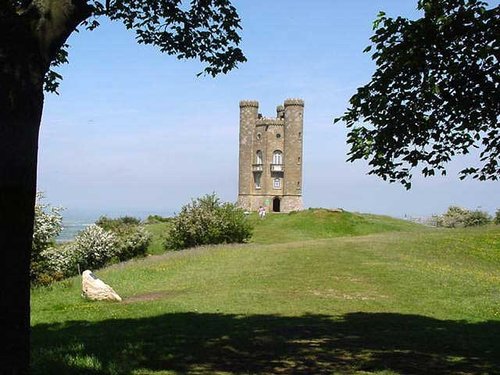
<point x="497" y="217"/>
<point x="434" y="94"/>
<point x="59" y="262"/>
<point x="206" y="30"/>
<point x="48" y="224"/>
<point x="111" y="224"/>
<point x="457" y="217"/>
<point x="132" y="240"/>
<point x="207" y="221"/>
<point x="94" y="247"/>
<point x="476" y="218"/>
<point x="52" y="78"/>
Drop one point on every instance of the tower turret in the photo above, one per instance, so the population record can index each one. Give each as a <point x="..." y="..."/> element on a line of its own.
<point x="280" y="112"/>
<point x="294" y="120"/>
<point x="249" y="112"/>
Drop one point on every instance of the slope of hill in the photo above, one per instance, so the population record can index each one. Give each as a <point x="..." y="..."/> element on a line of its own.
<point x="322" y="223"/>
<point x="316" y="292"/>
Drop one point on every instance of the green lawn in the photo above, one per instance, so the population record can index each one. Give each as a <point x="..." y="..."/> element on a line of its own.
<point x="317" y="292"/>
<point x="322" y="223"/>
<point x="158" y="232"/>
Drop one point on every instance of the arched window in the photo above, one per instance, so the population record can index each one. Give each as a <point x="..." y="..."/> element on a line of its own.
<point x="257" y="177"/>
<point x="258" y="157"/>
<point x="277" y="157"/>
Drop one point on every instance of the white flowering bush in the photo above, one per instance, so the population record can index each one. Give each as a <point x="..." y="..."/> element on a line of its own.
<point x="208" y="221"/>
<point x="457" y="217"/>
<point x="47" y="226"/>
<point x="61" y="261"/>
<point x="94" y="247"/>
<point x="133" y="241"/>
<point x="132" y="238"/>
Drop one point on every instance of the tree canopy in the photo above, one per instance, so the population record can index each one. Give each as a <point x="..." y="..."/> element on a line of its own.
<point x="206" y="29"/>
<point x="434" y="94"/>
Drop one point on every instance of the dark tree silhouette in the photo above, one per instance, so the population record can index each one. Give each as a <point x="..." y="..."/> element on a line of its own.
<point x="33" y="34"/>
<point x="434" y="94"/>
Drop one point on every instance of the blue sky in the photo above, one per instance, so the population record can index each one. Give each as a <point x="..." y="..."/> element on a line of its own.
<point x="134" y="131"/>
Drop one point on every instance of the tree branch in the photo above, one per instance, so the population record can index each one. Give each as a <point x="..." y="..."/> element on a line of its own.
<point x="54" y="22"/>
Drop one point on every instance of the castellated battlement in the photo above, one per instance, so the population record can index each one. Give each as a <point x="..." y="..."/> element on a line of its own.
<point x="249" y="103"/>
<point x="293" y="101"/>
<point x="266" y="121"/>
<point x="270" y="157"/>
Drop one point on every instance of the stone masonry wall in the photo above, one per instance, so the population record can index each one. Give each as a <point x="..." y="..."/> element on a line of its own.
<point x="267" y="135"/>
<point x="248" y="117"/>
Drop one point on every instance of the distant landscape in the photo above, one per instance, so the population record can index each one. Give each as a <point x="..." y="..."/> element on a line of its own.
<point x="313" y="292"/>
<point x="76" y="220"/>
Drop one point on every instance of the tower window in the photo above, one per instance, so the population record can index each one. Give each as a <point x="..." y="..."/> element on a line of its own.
<point x="259" y="136"/>
<point x="278" y="135"/>
<point x="257" y="177"/>
<point x="258" y="157"/>
<point x="277" y="157"/>
<point x="300" y="135"/>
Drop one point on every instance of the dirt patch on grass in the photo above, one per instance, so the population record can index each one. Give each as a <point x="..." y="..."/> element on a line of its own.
<point x="153" y="296"/>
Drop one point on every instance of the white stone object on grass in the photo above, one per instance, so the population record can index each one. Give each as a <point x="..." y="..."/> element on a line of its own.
<point x="96" y="290"/>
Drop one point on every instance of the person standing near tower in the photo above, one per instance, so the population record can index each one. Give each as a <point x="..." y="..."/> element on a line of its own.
<point x="262" y="212"/>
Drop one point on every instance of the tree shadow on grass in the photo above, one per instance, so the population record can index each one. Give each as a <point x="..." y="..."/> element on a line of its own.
<point x="310" y="344"/>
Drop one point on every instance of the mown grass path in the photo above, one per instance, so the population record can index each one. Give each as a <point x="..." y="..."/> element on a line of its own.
<point x="407" y="299"/>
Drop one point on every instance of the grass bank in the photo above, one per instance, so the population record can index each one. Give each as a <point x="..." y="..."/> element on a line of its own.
<point x="304" y="225"/>
<point x="349" y="294"/>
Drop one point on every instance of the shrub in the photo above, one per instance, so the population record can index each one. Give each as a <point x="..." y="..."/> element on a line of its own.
<point x="131" y="239"/>
<point x="110" y="224"/>
<point x="47" y="226"/>
<point x="497" y="217"/>
<point x="460" y="217"/>
<point x="60" y="261"/>
<point x="452" y="218"/>
<point x="94" y="247"/>
<point x="206" y="221"/>
<point x="477" y="218"/>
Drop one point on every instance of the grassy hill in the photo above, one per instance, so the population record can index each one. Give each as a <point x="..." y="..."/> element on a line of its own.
<point x="321" y="223"/>
<point x="315" y="292"/>
<point x="304" y="225"/>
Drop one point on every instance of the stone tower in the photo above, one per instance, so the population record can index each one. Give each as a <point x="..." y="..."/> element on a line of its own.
<point x="270" y="163"/>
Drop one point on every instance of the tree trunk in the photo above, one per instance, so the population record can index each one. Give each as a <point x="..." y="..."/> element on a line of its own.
<point x="21" y="101"/>
<point x="30" y="39"/>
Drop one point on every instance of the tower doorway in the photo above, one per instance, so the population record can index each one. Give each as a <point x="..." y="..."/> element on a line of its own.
<point x="276" y="204"/>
